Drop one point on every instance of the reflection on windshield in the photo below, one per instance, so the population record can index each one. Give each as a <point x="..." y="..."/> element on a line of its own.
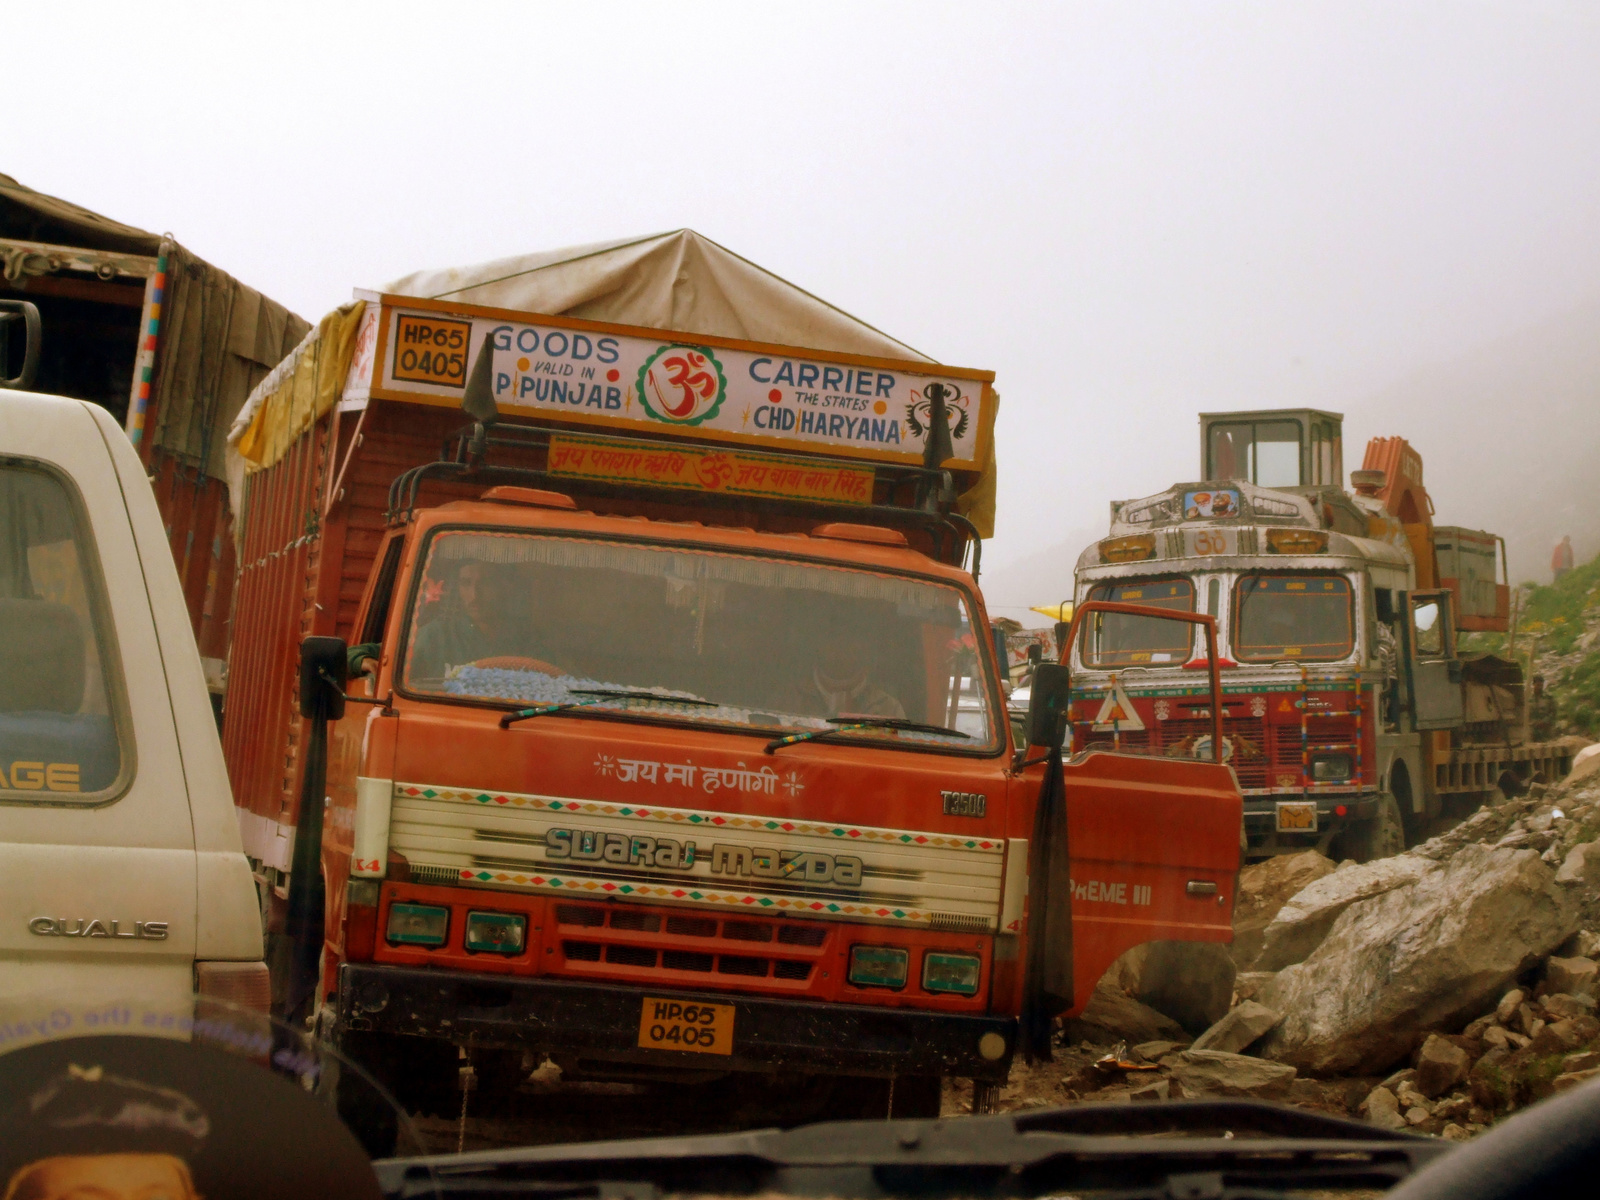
<point x="58" y="737"/>
<point x="1430" y="637"/>
<point x="524" y="619"/>
<point x="1119" y="639"/>
<point x="1304" y="617"/>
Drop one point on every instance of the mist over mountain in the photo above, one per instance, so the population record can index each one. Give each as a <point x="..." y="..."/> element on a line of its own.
<point x="1013" y="586"/>
<point x="1509" y="435"/>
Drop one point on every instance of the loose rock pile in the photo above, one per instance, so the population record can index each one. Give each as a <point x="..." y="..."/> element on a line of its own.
<point x="1463" y="968"/>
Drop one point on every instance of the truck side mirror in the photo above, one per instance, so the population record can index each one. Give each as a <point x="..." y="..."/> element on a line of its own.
<point x="1046" y="722"/>
<point x="11" y="311"/>
<point x="324" y="672"/>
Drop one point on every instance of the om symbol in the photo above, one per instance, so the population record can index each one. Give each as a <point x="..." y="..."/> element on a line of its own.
<point x="681" y="384"/>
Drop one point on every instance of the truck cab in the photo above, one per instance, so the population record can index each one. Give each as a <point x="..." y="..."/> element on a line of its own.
<point x="674" y="750"/>
<point x="121" y="869"/>
<point x="1345" y="690"/>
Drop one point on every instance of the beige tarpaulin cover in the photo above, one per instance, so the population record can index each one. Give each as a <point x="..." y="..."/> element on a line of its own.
<point x="674" y="280"/>
<point x="678" y="281"/>
<point x="218" y="338"/>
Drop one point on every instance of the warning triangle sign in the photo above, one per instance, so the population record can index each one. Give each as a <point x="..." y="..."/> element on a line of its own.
<point x="1117" y="714"/>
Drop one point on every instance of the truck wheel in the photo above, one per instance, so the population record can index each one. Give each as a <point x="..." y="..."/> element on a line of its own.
<point x="1380" y="836"/>
<point x="422" y="1074"/>
<point x="500" y="1073"/>
<point x="367" y="1115"/>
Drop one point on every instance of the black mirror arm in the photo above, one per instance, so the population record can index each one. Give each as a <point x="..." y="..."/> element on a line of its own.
<point x="333" y="685"/>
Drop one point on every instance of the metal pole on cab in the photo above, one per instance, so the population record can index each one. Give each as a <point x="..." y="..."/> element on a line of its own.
<point x="324" y="668"/>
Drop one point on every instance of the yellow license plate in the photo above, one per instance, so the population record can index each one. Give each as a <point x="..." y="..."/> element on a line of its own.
<point x="686" y="1025"/>
<point x="431" y="350"/>
<point x="1297" y="816"/>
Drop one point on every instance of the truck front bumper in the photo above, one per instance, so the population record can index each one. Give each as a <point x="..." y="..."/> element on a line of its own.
<point x="603" y="1022"/>
<point x="1261" y="819"/>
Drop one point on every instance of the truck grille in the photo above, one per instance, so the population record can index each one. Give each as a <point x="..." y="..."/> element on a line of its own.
<point x="1262" y="754"/>
<point x="597" y="950"/>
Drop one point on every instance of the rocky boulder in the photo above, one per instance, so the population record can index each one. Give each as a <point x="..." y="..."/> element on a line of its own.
<point x="1243" y="1025"/>
<point x="1581" y="865"/>
<point x="1441" y="1064"/>
<point x="1307" y="917"/>
<point x="1263" y="889"/>
<point x="1574" y="976"/>
<point x="1114" y="1016"/>
<point x="1216" y="1073"/>
<point x="1190" y="982"/>
<point x="1414" y="946"/>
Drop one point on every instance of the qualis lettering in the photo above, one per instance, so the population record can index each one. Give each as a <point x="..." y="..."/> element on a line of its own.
<point x="635" y="850"/>
<point x="150" y="931"/>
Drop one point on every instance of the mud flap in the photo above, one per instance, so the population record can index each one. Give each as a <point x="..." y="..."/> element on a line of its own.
<point x="1047" y="979"/>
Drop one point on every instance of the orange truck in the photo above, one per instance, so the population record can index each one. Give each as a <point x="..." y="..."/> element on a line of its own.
<point x="674" y="745"/>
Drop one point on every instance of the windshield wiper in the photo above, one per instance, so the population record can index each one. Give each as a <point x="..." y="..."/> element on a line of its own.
<point x="601" y="696"/>
<point x="1017" y="1155"/>
<point x="850" y="724"/>
<point x="642" y="694"/>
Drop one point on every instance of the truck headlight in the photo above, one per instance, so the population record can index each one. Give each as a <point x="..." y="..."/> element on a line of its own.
<point x="497" y="933"/>
<point x="879" y="966"/>
<point x="1330" y="768"/>
<point x="418" y="925"/>
<point x="957" y="973"/>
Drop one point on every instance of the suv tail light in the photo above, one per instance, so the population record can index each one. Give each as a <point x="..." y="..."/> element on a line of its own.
<point x="245" y="984"/>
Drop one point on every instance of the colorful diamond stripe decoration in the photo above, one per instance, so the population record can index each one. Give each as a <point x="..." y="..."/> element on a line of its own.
<point x="650" y="891"/>
<point x="416" y="791"/>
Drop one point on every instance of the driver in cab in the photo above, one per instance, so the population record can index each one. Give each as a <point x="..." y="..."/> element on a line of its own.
<point x="478" y="625"/>
<point x="842" y="680"/>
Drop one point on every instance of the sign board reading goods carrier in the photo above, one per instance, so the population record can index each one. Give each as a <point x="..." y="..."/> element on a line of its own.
<point x="655" y="381"/>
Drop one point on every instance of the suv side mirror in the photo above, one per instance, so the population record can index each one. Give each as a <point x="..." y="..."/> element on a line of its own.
<point x="324" y="673"/>
<point x="10" y="312"/>
<point x="1046" y="722"/>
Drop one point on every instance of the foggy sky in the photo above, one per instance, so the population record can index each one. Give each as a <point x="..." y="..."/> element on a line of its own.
<point x="1132" y="212"/>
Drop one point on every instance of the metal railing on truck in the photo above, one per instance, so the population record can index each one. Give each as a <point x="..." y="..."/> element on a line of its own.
<point x="463" y="457"/>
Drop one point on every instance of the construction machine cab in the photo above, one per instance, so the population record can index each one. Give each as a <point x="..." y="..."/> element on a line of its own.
<point x="1275" y="448"/>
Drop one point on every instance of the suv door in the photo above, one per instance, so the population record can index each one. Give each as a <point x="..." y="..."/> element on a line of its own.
<point x="1431" y="662"/>
<point x="97" y="862"/>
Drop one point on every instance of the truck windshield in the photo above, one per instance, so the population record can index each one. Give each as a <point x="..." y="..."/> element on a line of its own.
<point x="531" y="620"/>
<point x="1117" y="639"/>
<point x="1304" y="617"/>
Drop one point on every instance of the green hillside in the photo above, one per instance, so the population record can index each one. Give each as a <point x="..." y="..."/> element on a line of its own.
<point x="1552" y="624"/>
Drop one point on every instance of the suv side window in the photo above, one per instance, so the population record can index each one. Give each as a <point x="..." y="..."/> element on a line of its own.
<point x="60" y="695"/>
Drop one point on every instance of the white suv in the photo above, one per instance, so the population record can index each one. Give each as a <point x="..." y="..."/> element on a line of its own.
<point x="121" y="869"/>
